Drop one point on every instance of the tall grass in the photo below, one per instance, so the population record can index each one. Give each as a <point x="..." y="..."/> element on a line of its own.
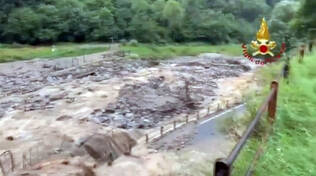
<point x="290" y="148"/>
<point x="152" y="51"/>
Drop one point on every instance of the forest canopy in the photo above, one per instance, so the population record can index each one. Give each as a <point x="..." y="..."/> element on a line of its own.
<point x="161" y="21"/>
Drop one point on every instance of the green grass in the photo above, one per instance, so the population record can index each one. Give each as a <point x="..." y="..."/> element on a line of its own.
<point x="23" y="52"/>
<point x="15" y="52"/>
<point x="152" y="51"/>
<point x="290" y="149"/>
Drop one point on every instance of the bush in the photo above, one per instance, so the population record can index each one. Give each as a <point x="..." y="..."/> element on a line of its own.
<point x="134" y="56"/>
<point x="133" y="42"/>
<point x="123" y="42"/>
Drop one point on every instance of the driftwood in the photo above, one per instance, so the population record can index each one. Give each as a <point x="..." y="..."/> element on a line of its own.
<point x="91" y="73"/>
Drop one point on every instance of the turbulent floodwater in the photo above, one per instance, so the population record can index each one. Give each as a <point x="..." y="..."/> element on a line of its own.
<point x="56" y="105"/>
<point x="168" y="88"/>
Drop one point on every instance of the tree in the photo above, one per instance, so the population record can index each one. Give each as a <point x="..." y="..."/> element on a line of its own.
<point x="173" y="13"/>
<point x="47" y="21"/>
<point x="49" y="29"/>
<point x="272" y="2"/>
<point x="122" y="16"/>
<point x="193" y="19"/>
<point x="22" y="25"/>
<point x="102" y="22"/>
<point x="140" y="6"/>
<point x="142" y="26"/>
<point x="306" y="18"/>
<point x="157" y="10"/>
<point x="73" y="23"/>
<point x="282" y="15"/>
<point x="252" y="10"/>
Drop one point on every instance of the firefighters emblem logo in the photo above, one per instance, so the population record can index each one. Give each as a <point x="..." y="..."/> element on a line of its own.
<point x="263" y="47"/>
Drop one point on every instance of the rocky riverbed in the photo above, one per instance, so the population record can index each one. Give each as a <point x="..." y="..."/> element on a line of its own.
<point x="55" y="109"/>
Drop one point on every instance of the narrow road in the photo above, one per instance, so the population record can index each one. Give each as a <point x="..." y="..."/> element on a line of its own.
<point x="208" y="136"/>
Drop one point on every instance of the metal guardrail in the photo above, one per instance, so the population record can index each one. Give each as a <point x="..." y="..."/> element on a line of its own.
<point x="223" y="166"/>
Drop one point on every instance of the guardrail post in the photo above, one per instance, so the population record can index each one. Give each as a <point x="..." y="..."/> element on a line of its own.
<point x="222" y="168"/>
<point x="273" y="101"/>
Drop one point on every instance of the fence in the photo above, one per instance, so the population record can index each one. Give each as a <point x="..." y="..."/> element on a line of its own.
<point x="223" y="166"/>
<point x="188" y="118"/>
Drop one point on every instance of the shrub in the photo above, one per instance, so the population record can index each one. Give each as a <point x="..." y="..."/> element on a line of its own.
<point x="133" y="42"/>
<point x="134" y="56"/>
<point x="123" y="42"/>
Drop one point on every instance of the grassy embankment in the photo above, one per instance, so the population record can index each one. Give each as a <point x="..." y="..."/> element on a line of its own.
<point x="23" y="52"/>
<point x="290" y="149"/>
<point x="152" y="51"/>
<point x="146" y="51"/>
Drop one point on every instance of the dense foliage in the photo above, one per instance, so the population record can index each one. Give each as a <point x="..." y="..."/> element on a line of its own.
<point x="215" y="21"/>
<point x="305" y="21"/>
<point x="290" y="147"/>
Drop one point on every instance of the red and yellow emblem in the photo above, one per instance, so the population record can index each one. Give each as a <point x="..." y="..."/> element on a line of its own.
<point x="263" y="45"/>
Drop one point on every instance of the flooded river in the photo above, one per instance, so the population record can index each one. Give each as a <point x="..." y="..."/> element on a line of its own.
<point x="54" y="107"/>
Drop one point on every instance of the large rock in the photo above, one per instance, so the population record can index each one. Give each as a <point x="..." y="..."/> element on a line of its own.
<point x="106" y="148"/>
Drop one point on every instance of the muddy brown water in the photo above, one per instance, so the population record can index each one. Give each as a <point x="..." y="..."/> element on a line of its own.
<point x="145" y="104"/>
<point x="167" y="88"/>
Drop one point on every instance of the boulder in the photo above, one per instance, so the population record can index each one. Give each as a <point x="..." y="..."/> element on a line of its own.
<point x="107" y="148"/>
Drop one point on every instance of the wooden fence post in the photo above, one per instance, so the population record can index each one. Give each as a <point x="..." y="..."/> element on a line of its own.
<point x="310" y="46"/>
<point x="161" y="131"/>
<point x="174" y="125"/>
<point x="286" y="68"/>
<point x="187" y="119"/>
<point x="273" y="102"/>
<point x="302" y="53"/>
<point x="147" y="138"/>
